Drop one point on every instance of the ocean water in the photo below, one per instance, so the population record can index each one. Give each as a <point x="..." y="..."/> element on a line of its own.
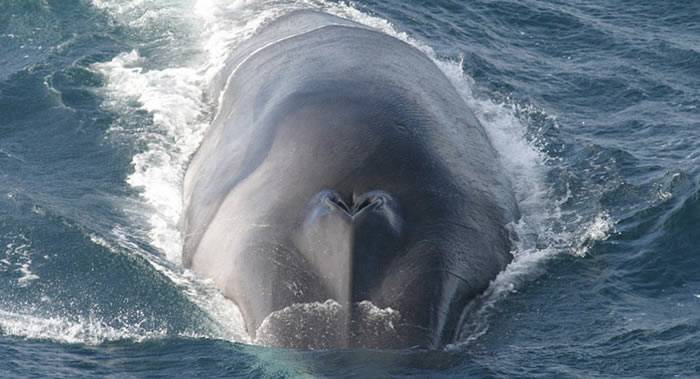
<point x="592" y="105"/>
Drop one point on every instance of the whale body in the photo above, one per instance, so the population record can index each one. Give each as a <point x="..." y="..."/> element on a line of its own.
<point x="344" y="195"/>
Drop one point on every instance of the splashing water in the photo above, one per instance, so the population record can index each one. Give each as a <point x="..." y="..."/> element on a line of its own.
<point x="89" y="330"/>
<point x="18" y="258"/>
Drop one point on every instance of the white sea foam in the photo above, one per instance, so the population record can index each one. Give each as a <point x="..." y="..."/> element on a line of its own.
<point x="85" y="330"/>
<point x="597" y="230"/>
<point x="176" y="99"/>
<point x="17" y="257"/>
<point x="320" y="325"/>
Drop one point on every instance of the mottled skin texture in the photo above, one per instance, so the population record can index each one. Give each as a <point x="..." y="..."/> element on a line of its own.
<point x="344" y="165"/>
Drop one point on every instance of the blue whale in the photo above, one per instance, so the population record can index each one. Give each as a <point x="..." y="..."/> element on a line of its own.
<point x="345" y="195"/>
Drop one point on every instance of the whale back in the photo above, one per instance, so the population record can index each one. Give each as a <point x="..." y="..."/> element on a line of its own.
<point x="315" y="103"/>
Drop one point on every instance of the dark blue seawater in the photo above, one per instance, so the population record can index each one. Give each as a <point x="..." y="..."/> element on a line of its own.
<point x="593" y="106"/>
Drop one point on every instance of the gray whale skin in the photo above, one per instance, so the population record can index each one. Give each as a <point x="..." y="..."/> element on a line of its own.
<point x="344" y="195"/>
